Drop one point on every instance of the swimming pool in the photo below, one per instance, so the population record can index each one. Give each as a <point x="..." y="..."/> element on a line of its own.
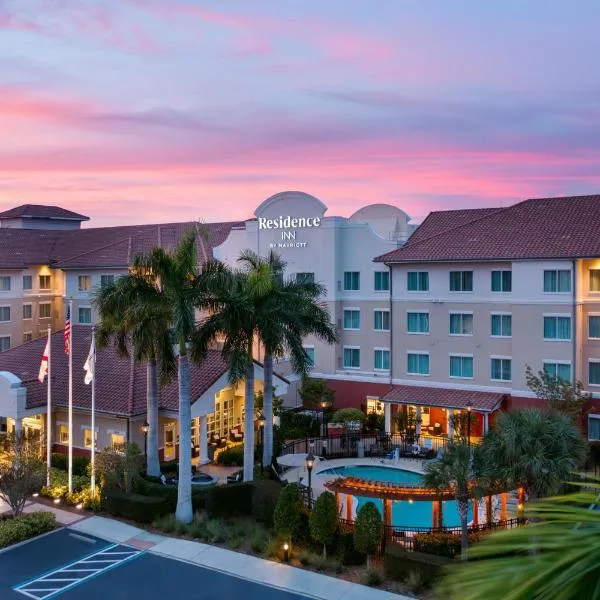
<point x="404" y="512"/>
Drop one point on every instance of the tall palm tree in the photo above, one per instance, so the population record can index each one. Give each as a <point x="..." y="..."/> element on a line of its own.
<point x="133" y="315"/>
<point x="533" y="449"/>
<point x="454" y="470"/>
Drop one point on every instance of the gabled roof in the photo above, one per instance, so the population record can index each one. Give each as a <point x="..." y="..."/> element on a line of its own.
<point x="548" y="228"/>
<point x="42" y="211"/>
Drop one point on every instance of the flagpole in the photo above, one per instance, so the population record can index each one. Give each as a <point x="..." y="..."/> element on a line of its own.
<point x="93" y="457"/>
<point x="71" y="348"/>
<point x="49" y="411"/>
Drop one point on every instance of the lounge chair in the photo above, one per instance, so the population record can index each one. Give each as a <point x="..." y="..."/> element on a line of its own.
<point x="235" y="477"/>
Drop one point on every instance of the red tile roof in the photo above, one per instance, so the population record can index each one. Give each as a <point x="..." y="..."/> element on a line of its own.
<point x="41" y="211"/>
<point x="444" y="397"/>
<point x="120" y="382"/>
<point x="549" y="228"/>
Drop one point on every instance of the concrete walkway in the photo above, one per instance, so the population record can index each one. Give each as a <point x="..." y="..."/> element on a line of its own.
<point x="63" y="517"/>
<point x="232" y="563"/>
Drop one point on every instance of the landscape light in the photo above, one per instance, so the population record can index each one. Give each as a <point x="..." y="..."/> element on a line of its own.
<point x="286" y="552"/>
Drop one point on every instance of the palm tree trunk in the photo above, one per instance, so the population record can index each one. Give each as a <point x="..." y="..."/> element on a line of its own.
<point x="249" y="419"/>
<point x="183" y="512"/>
<point x="268" y="409"/>
<point x="463" y="511"/>
<point x="152" y="462"/>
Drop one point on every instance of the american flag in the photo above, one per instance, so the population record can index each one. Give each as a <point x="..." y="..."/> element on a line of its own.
<point x="68" y="332"/>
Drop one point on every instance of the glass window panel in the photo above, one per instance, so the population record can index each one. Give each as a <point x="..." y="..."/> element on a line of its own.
<point x="594" y="368"/>
<point x="593" y="428"/>
<point x="382" y="281"/>
<point x="4" y="313"/>
<point x="27" y="282"/>
<point x="382" y="360"/>
<point x="594" y="280"/>
<point x="351" y="319"/>
<point x="594" y="326"/>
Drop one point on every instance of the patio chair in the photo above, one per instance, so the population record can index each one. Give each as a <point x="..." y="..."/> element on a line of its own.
<point x="235" y="435"/>
<point x="235" y="477"/>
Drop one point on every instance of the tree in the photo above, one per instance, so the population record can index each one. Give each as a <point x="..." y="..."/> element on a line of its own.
<point x="21" y="471"/>
<point x="316" y="391"/>
<point x="559" y="395"/>
<point x="287" y="515"/>
<point x="117" y="467"/>
<point x="259" y="403"/>
<point x="323" y="521"/>
<point x="135" y="317"/>
<point x="460" y="423"/>
<point x="454" y="470"/>
<point x="533" y="449"/>
<point x="348" y="417"/>
<point x="558" y="557"/>
<point x="375" y="422"/>
<point x="368" y="530"/>
<point x="406" y="423"/>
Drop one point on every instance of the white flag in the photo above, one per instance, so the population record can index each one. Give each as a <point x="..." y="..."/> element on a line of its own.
<point x="44" y="364"/>
<point x="90" y="365"/>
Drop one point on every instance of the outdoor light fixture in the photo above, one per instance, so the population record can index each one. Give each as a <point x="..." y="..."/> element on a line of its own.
<point x="145" y="429"/>
<point x="79" y="506"/>
<point x="310" y="462"/>
<point x="286" y="552"/>
<point x="35" y="495"/>
<point x="469" y="406"/>
<point x="56" y="500"/>
<point x="261" y="436"/>
<point x="410" y="500"/>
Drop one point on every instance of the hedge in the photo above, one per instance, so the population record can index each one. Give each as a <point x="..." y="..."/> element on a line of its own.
<point x="19" y="529"/>
<point x="149" y="487"/>
<point x="230" y="500"/>
<point x="80" y="463"/>
<point x="441" y="544"/>
<point x="232" y="456"/>
<point x="143" y="509"/>
<point x="399" y="563"/>
<point x="264" y="500"/>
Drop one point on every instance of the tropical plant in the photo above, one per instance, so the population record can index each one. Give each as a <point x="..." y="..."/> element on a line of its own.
<point x="135" y="317"/>
<point x="375" y="422"/>
<point x="406" y="425"/>
<point x="287" y="515"/>
<point x="323" y="520"/>
<point x="463" y="423"/>
<point x="558" y="394"/>
<point x="314" y="392"/>
<point x="348" y="416"/>
<point x="454" y="470"/>
<point x="368" y="530"/>
<point x="533" y="449"/>
<point x="259" y="403"/>
<point x="557" y="556"/>
<point x="116" y="467"/>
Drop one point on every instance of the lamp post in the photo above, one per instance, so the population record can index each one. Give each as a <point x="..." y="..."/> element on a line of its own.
<point x="310" y="461"/>
<point x="145" y="429"/>
<point x="325" y="405"/>
<point x="261" y="429"/>
<point x="469" y="406"/>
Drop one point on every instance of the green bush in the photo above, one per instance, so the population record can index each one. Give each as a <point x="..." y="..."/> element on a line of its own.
<point x="323" y="521"/>
<point x="148" y="487"/>
<point x="368" y="529"/>
<point x="230" y="500"/>
<point x="399" y="563"/>
<point x="441" y="544"/>
<point x="80" y="463"/>
<point x="232" y="456"/>
<point x="374" y="577"/>
<point x="59" y="483"/>
<point x="143" y="509"/>
<point x="264" y="500"/>
<point x="19" y="529"/>
<point x="347" y="553"/>
<point x="298" y="425"/>
<point x="287" y="516"/>
<point x="258" y="540"/>
<point x="169" y="467"/>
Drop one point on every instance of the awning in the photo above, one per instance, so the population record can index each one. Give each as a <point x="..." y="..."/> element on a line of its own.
<point x="444" y="397"/>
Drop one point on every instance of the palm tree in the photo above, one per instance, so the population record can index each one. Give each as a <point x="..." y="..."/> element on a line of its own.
<point x="558" y="556"/>
<point x="133" y="315"/>
<point x="454" y="470"/>
<point x="533" y="449"/>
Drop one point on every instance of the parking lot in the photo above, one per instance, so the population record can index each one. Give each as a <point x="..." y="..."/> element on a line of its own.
<point x="73" y="566"/>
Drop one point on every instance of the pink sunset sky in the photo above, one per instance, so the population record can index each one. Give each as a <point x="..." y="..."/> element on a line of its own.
<point x="162" y="110"/>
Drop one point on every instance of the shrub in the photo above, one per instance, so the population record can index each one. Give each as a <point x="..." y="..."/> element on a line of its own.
<point x="274" y="548"/>
<point x="85" y="498"/>
<point x="347" y="553"/>
<point x="148" y="487"/>
<point x="400" y="563"/>
<point x="264" y="500"/>
<point x="230" y="500"/>
<point x="416" y="581"/>
<point x="59" y="484"/>
<point x="298" y="425"/>
<point x="441" y="544"/>
<point x="374" y="576"/>
<point x="19" y="529"/>
<point x="258" y="540"/>
<point x="198" y="529"/>
<point x="368" y="530"/>
<point x="232" y="456"/>
<point x="323" y="521"/>
<point x="169" y="467"/>
<point x="144" y="509"/>
<point x="217" y="531"/>
<point x="80" y="463"/>
<point x="286" y="518"/>
<point x="348" y="416"/>
<point x="118" y="467"/>
<point x="165" y="523"/>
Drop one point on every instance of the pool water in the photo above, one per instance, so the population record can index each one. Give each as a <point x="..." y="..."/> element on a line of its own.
<point x="404" y="513"/>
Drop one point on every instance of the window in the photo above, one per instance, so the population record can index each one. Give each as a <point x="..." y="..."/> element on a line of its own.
<point x="382" y="359"/>
<point x="310" y="350"/>
<point x="305" y="277"/>
<point x="382" y="281"/>
<point x="351" y="318"/>
<point x="84" y="283"/>
<point x="417" y="281"/>
<point x="351" y="358"/>
<point x="44" y="310"/>
<point x="594" y="327"/>
<point x="85" y="315"/>
<point x="557" y="328"/>
<point x="558" y="370"/>
<point x="594" y="372"/>
<point x="117" y="439"/>
<point x="417" y="363"/>
<point x="461" y="324"/>
<point x="351" y="280"/>
<point x="594" y="428"/>
<point x="417" y="322"/>
<point x="501" y="369"/>
<point x="45" y="282"/>
<point x="4" y="343"/>
<point x="63" y="434"/>
<point x="27" y="282"/>
<point x="374" y="405"/>
<point x="106" y="280"/>
<point x="4" y="313"/>
<point x="502" y="325"/>
<point x="461" y="366"/>
<point x="558" y="280"/>
<point x="594" y="280"/>
<point x="27" y="311"/>
<point x="5" y="283"/>
<point x="27" y="337"/>
<point x="501" y="281"/>
<point x="461" y="281"/>
<point x="87" y="438"/>
<point x="382" y="320"/>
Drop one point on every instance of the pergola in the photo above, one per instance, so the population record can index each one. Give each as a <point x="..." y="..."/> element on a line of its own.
<point x="390" y="492"/>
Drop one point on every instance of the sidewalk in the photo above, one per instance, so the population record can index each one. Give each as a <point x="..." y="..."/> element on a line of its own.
<point x="236" y="564"/>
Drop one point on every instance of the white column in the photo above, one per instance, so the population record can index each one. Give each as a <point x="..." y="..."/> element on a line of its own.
<point x="387" y="413"/>
<point x="450" y="424"/>
<point x="418" y="425"/>
<point x="18" y="426"/>
<point x="486" y="423"/>
<point x="203" y="450"/>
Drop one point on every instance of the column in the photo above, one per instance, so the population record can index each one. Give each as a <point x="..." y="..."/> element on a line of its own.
<point x="203" y="445"/>
<point x="348" y="507"/>
<point x="503" y="507"/>
<point x="18" y="426"/>
<point x="338" y="503"/>
<point x="387" y="413"/>
<point x="418" y="425"/>
<point x="486" y="423"/>
<point x="475" y="512"/>
<point x="387" y="518"/>
<point x="450" y="424"/>
<point x="488" y="510"/>
<point x="436" y="514"/>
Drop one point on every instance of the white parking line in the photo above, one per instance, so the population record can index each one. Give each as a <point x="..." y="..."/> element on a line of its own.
<point x="65" y="578"/>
